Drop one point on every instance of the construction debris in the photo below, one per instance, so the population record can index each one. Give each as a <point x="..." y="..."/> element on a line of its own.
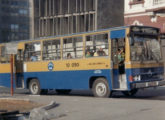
<point x="40" y="113"/>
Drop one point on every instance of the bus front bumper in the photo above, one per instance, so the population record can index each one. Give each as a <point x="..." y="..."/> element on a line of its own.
<point x="148" y="84"/>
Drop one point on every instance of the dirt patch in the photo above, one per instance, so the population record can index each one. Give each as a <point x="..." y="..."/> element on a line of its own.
<point x="21" y="105"/>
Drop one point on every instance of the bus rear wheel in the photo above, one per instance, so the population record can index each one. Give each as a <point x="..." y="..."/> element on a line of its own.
<point x="34" y="87"/>
<point x="130" y="93"/>
<point x="100" y="88"/>
<point x="63" y="91"/>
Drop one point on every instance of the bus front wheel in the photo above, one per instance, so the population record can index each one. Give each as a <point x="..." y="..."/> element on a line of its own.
<point x="34" y="87"/>
<point x="100" y="88"/>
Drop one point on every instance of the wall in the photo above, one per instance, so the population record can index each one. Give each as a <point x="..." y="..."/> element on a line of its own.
<point x="58" y="17"/>
<point x="110" y="13"/>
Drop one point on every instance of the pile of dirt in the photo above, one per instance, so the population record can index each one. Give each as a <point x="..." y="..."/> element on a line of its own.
<point x="20" y="105"/>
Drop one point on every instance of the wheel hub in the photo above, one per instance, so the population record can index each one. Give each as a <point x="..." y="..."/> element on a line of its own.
<point x="101" y="89"/>
<point x="34" y="88"/>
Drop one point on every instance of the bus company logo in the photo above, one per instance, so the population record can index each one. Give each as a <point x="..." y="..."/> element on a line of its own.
<point x="50" y="66"/>
<point x="97" y="71"/>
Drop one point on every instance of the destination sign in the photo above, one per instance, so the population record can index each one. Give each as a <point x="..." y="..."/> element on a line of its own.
<point x="144" y="30"/>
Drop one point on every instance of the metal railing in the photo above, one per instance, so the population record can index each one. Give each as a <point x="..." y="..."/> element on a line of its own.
<point x="158" y="2"/>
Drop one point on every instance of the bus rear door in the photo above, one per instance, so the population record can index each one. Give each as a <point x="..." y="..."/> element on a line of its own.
<point x="119" y="81"/>
<point x="19" y="79"/>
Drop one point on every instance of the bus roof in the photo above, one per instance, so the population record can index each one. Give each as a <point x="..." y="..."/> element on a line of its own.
<point x="49" y="37"/>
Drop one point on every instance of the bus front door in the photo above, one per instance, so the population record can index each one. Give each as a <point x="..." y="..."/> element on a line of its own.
<point x="119" y="81"/>
<point x="19" y="81"/>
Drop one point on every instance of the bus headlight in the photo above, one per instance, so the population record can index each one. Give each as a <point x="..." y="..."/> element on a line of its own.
<point x="137" y="78"/>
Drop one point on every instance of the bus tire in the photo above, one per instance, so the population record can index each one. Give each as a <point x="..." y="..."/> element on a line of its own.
<point x="100" y="88"/>
<point x="63" y="91"/>
<point x="34" y="87"/>
<point x="130" y="93"/>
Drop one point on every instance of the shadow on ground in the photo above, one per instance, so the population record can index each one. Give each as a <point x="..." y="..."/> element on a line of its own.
<point x="148" y="94"/>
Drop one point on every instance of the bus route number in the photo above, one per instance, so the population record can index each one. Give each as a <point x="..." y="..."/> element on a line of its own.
<point x="72" y="65"/>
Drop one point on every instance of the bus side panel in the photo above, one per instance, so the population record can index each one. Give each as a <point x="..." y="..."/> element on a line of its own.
<point x="67" y="79"/>
<point x="5" y="79"/>
<point x="5" y="75"/>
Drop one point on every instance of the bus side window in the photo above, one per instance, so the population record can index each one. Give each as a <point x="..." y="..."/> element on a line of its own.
<point x="32" y="51"/>
<point x="73" y="47"/>
<point x="51" y="50"/>
<point x="97" y="45"/>
<point x="4" y="58"/>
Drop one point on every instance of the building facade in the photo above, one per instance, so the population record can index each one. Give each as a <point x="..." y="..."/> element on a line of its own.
<point x="145" y="12"/>
<point x="14" y="20"/>
<point x="58" y="17"/>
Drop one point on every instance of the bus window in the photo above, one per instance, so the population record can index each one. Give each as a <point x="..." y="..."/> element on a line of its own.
<point x="51" y="50"/>
<point x="73" y="48"/>
<point x="97" y="45"/>
<point x="4" y="57"/>
<point x="32" y="51"/>
<point x="145" y="48"/>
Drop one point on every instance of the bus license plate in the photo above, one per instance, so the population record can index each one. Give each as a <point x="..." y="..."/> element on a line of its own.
<point x="152" y="84"/>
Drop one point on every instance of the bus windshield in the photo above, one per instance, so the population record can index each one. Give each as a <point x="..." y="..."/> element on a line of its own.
<point x="145" y="48"/>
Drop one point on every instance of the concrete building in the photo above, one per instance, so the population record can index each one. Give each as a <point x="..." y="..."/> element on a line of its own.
<point x="14" y="20"/>
<point x="145" y="12"/>
<point x="0" y="20"/>
<point x="58" y="17"/>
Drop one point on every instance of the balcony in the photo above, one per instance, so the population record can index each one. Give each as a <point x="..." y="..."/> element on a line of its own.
<point x="158" y="2"/>
<point x="156" y="6"/>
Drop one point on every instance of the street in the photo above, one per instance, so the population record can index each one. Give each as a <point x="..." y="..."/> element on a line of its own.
<point x="148" y="104"/>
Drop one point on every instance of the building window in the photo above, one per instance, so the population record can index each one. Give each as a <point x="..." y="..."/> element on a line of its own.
<point x="132" y="2"/>
<point x="14" y="27"/>
<point x="14" y="2"/>
<point x="5" y="2"/>
<point x="23" y="12"/>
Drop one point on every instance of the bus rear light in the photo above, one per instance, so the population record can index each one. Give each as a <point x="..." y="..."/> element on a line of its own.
<point x="130" y="78"/>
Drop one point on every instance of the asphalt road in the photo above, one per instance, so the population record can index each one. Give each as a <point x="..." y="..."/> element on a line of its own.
<point x="148" y="104"/>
